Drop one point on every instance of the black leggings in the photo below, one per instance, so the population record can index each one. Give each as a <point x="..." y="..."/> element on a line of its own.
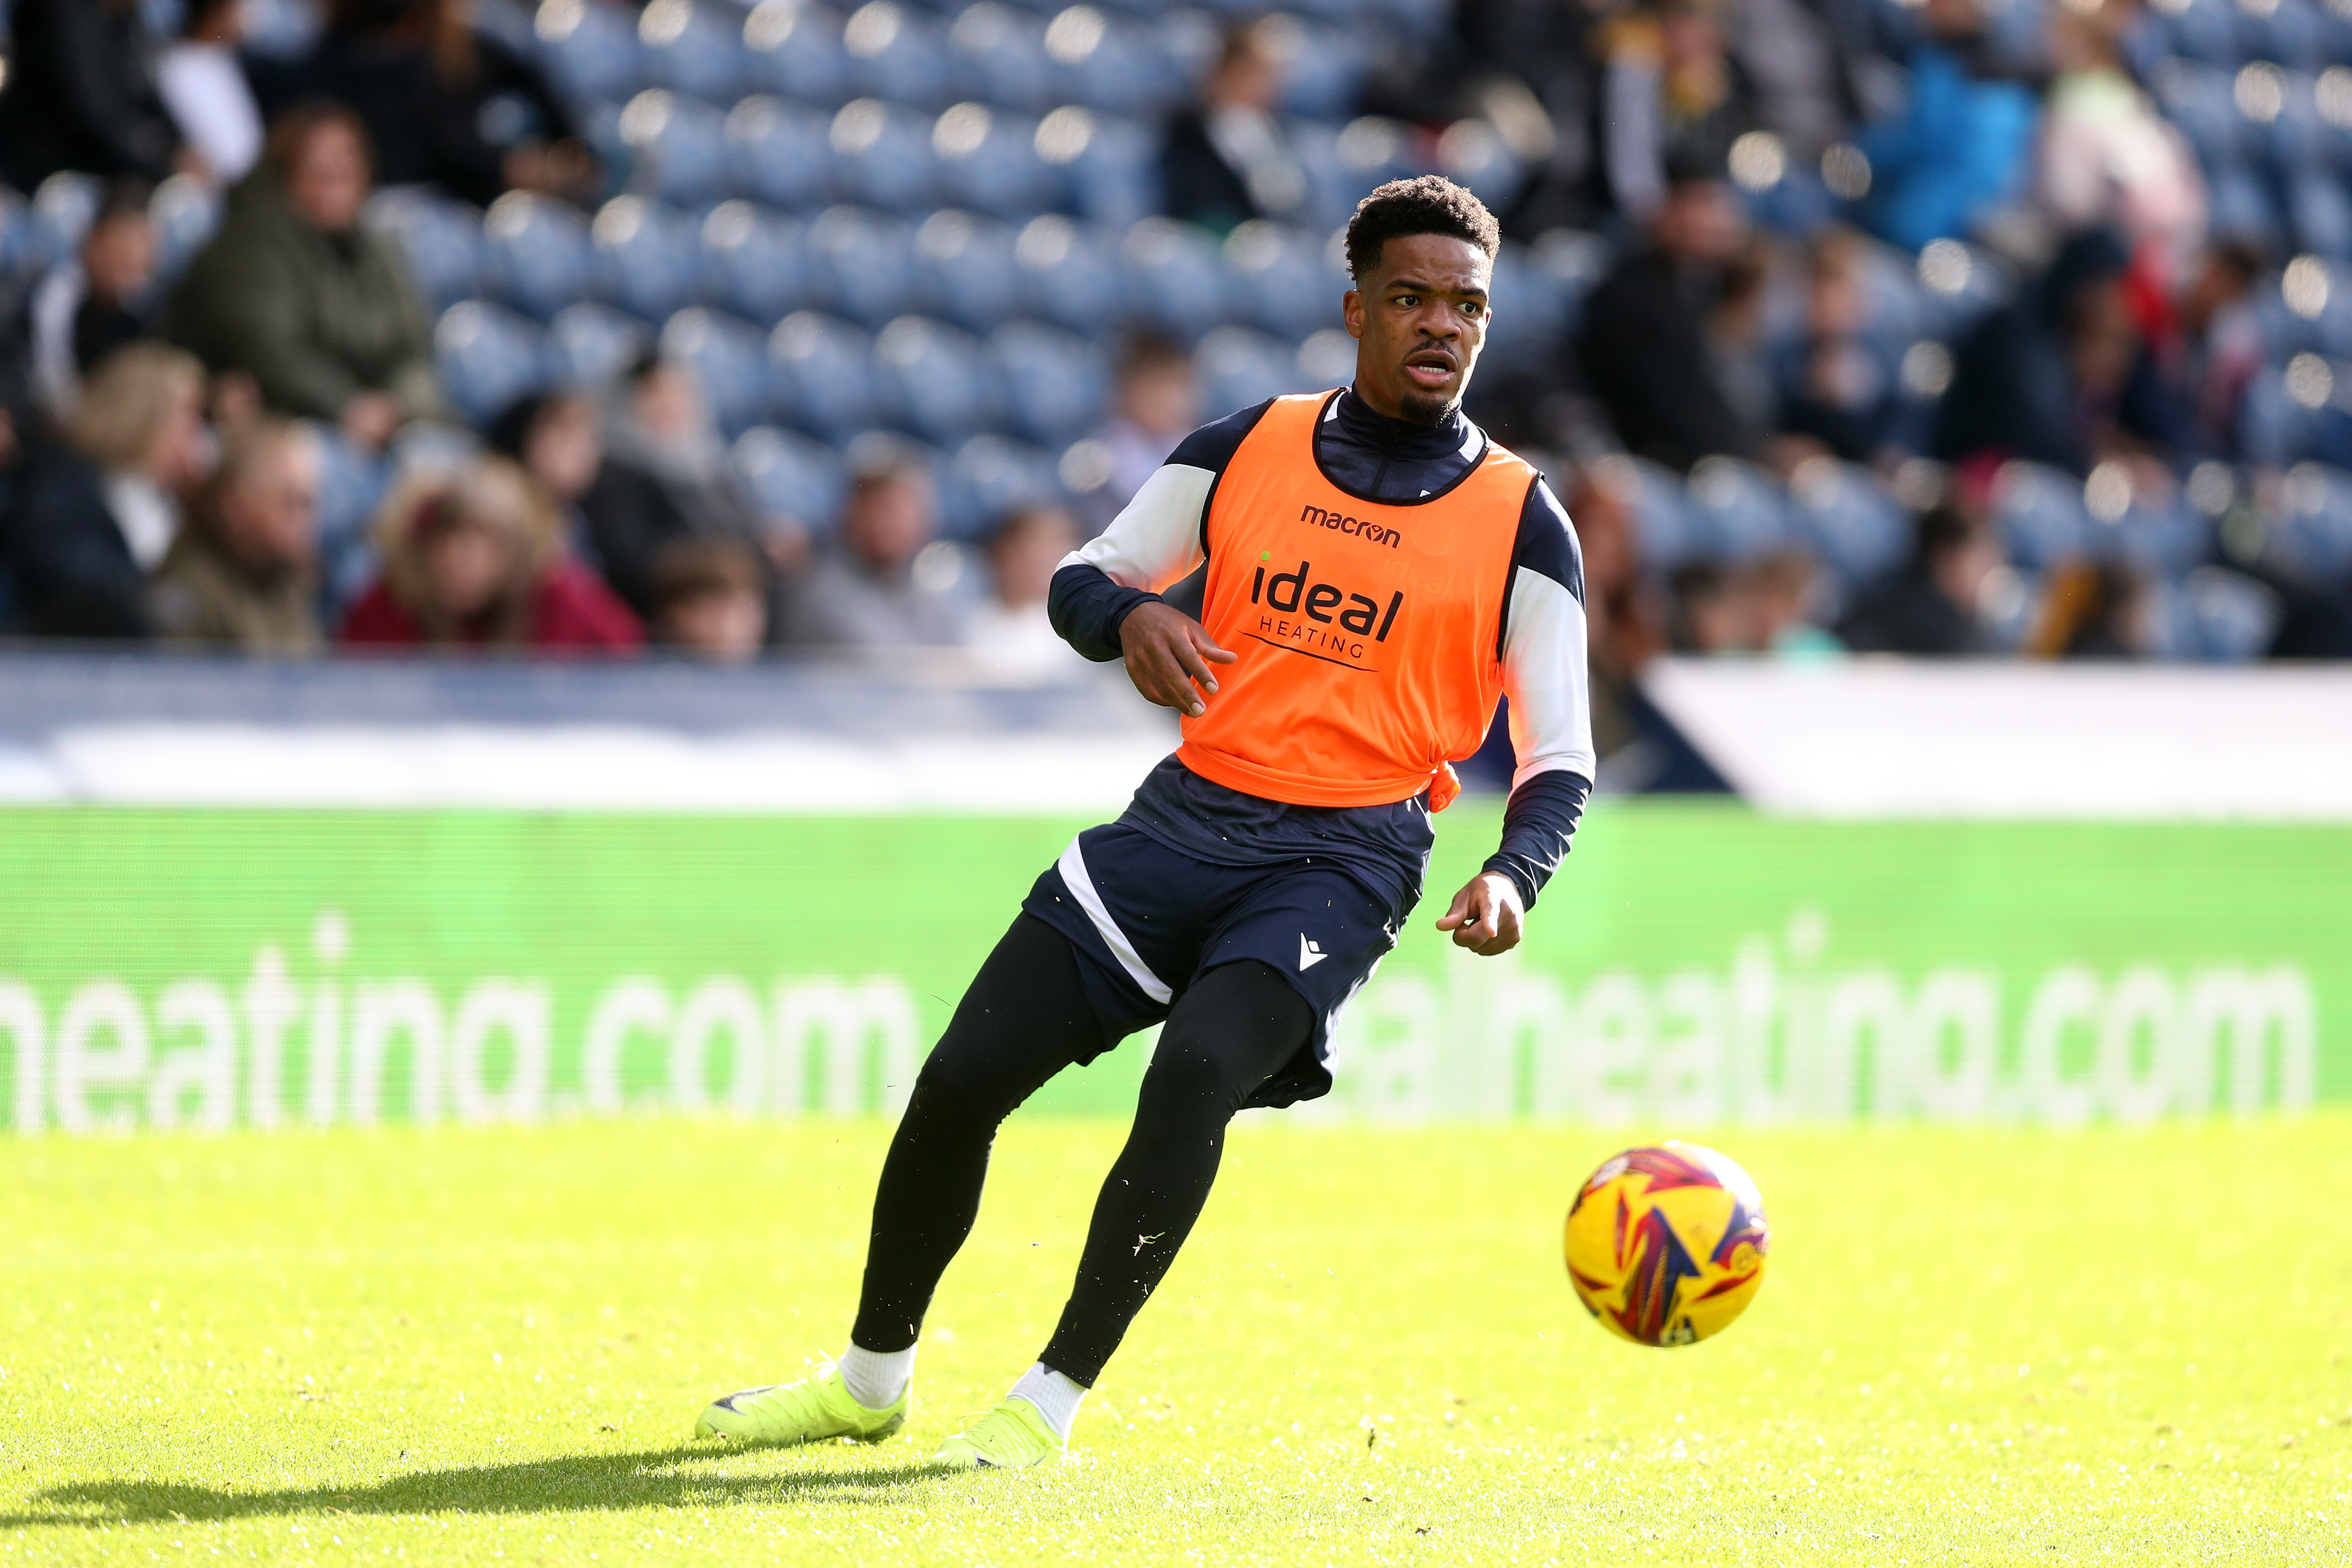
<point x="1025" y="1019"/>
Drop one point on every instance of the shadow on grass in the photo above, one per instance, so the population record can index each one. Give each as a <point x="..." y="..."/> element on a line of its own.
<point x="655" y="1477"/>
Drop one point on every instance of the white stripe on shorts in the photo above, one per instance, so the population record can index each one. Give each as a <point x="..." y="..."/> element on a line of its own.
<point x="1072" y="867"/>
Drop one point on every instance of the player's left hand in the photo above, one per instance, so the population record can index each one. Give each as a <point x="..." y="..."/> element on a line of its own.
<point x="1485" y="915"/>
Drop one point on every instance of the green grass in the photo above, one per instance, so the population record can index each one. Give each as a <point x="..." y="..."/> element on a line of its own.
<point x="1974" y="1347"/>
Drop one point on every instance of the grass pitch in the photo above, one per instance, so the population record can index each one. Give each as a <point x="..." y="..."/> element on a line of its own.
<point x="1980" y="1347"/>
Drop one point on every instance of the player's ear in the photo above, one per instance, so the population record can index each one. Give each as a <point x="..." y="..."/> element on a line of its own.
<point x="1351" y="310"/>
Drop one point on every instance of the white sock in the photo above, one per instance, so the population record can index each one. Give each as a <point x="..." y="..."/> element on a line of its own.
<point x="1056" y="1396"/>
<point x="876" y="1378"/>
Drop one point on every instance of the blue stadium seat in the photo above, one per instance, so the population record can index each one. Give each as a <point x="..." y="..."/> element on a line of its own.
<point x="882" y="156"/>
<point x="2311" y="535"/>
<point x="438" y="236"/>
<point x="18" y="242"/>
<point x="489" y="356"/>
<point x="2322" y="213"/>
<point x="2298" y="414"/>
<point x="821" y="375"/>
<point x="591" y="48"/>
<point x="63" y="207"/>
<point x="2198" y="97"/>
<point x="678" y="148"/>
<point x="1238" y="366"/>
<point x="988" y="162"/>
<point x="1574" y="261"/>
<point x="2222" y="617"/>
<point x="782" y="153"/>
<point x="998" y="53"/>
<point x="936" y="378"/>
<point x="792" y="477"/>
<point x="729" y="358"/>
<point x="1111" y="165"/>
<point x="184" y="211"/>
<point x="593" y="346"/>
<point x="1110" y="63"/>
<point x="651" y="257"/>
<point x="1848" y="519"/>
<point x="795" y="49"/>
<point x="898" y="53"/>
<point x="968" y="268"/>
<point x="1327" y="360"/>
<point x="1070" y="274"/>
<point x="989" y="476"/>
<point x="2287" y="31"/>
<point x="1739" y="510"/>
<point x="695" y="49"/>
<point x="1282" y="280"/>
<point x="1325" y="70"/>
<point x="2240" y="207"/>
<point x="865" y="264"/>
<point x="1530" y="306"/>
<point x="1960" y="285"/>
<point x="756" y="263"/>
<point x="1664" y="525"/>
<point x="1176" y="277"/>
<point x="537" y="255"/>
<point x="1056" y="384"/>
<point x="281" y="29"/>
<point x="2042" y="514"/>
<point x="506" y="21"/>
<point x="1472" y="154"/>
<point x="1897" y="307"/>
<point x="2167" y="538"/>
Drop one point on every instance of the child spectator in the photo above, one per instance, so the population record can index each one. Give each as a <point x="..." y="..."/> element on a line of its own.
<point x="240" y="576"/>
<point x="86" y="310"/>
<point x="1011" y="632"/>
<point x="710" y="600"/>
<point x="294" y="292"/>
<point x="475" y="562"/>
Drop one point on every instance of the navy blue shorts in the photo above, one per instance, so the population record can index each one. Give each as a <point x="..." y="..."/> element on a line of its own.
<point x="1148" y="921"/>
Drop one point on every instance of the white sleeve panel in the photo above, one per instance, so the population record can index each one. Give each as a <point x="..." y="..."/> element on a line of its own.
<point x="1157" y="540"/>
<point x="1543" y="674"/>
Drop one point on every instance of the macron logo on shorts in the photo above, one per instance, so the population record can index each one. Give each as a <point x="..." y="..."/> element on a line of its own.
<point x="1310" y="953"/>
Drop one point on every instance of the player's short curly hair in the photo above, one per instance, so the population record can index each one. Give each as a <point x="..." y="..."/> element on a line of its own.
<point x="1430" y="204"/>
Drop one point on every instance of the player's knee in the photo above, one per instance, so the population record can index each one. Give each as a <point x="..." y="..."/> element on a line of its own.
<point x="1184" y="1074"/>
<point x="958" y="1086"/>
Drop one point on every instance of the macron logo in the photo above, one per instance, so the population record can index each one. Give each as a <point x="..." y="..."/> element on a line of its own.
<point x="1309" y="955"/>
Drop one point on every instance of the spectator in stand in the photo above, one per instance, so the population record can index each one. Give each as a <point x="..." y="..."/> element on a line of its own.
<point x="1645" y="350"/>
<point x="2062" y="375"/>
<point x="204" y="85"/>
<point x="1229" y="159"/>
<point x="94" y="515"/>
<point x="711" y="599"/>
<point x="80" y="94"/>
<point x="1834" y="390"/>
<point x="84" y="309"/>
<point x="2107" y="158"/>
<point x="1715" y="612"/>
<point x="1156" y="404"/>
<point x="862" y="591"/>
<point x="294" y="292"/>
<point x="444" y="103"/>
<point x="553" y="437"/>
<point x="474" y="561"/>
<point x="1960" y="148"/>
<point x="1011" y="632"/>
<point x="1671" y="100"/>
<point x="1783" y="583"/>
<point x="2214" y="344"/>
<point x="667" y="476"/>
<point x="240" y="575"/>
<point x="2101" y="610"/>
<point x="1736" y="332"/>
<point x="1933" y="606"/>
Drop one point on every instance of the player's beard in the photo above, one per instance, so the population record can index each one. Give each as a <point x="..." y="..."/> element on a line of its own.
<point x="1427" y="407"/>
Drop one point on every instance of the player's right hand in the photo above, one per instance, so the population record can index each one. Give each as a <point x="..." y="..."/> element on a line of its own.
<point x="1167" y="657"/>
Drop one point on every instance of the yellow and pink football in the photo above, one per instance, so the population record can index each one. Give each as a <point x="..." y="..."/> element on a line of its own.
<point x="1666" y="1244"/>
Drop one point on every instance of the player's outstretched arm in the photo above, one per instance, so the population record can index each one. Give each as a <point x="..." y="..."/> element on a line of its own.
<point x="1167" y="657"/>
<point x="1486" y="915"/>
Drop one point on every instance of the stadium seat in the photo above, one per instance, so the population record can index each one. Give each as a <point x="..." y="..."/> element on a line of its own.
<point x="989" y="476"/>
<point x="63" y="207"/>
<point x="1110" y="63"/>
<point x="2042" y="514"/>
<point x="2240" y="207"/>
<point x="988" y="162"/>
<point x="489" y="356"/>
<point x="821" y="375"/>
<point x="792" y="477"/>
<point x="1960" y="285"/>
<point x="2223" y="617"/>
<point x="999" y="52"/>
<point x="1111" y="164"/>
<point x="695" y="49"/>
<point x="1282" y="280"/>
<point x="882" y="157"/>
<point x="2197" y="97"/>
<point x="936" y="379"/>
<point x="781" y="152"/>
<point x="2166" y="537"/>
<point x="968" y="273"/>
<point x="2311" y="534"/>
<point x="1664" y="525"/>
<point x="678" y="148"/>
<point x="539" y="255"/>
<point x="2321" y="211"/>
<point x="1238" y="366"/>
<point x="593" y="346"/>
<point x="17" y="241"/>
<point x="865" y="264"/>
<point x="1327" y="360"/>
<point x="1472" y="154"/>
<point x="2286" y="31"/>
<point x="729" y="358"/>
<point x="1574" y="261"/>
<point x="1896" y="306"/>
<point x="650" y="255"/>
<point x="1055" y="386"/>
<point x="898" y="53"/>
<point x="439" y="237"/>
<point x="352" y="484"/>
<point x="755" y="262"/>
<point x="1343" y="166"/>
<point x="1739" y="510"/>
<point x="591" y="48"/>
<point x="1176" y="277"/>
<point x="1070" y="274"/>
<point x="184" y="211"/>
<point x="795" y="49"/>
<point x="1324" y="68"/>
<point x="1848" y="519"/>
<point x="1530" y="309"/>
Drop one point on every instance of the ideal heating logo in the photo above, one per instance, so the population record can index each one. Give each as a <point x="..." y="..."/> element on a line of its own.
<point x="1377" y="533"/>
<point x="1329" y="620"/>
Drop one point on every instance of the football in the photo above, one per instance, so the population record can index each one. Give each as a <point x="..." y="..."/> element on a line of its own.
<point x="1666" y="1244"/>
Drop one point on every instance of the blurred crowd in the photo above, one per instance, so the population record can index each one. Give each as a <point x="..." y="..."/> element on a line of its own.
<point x="1938" y="328"/>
